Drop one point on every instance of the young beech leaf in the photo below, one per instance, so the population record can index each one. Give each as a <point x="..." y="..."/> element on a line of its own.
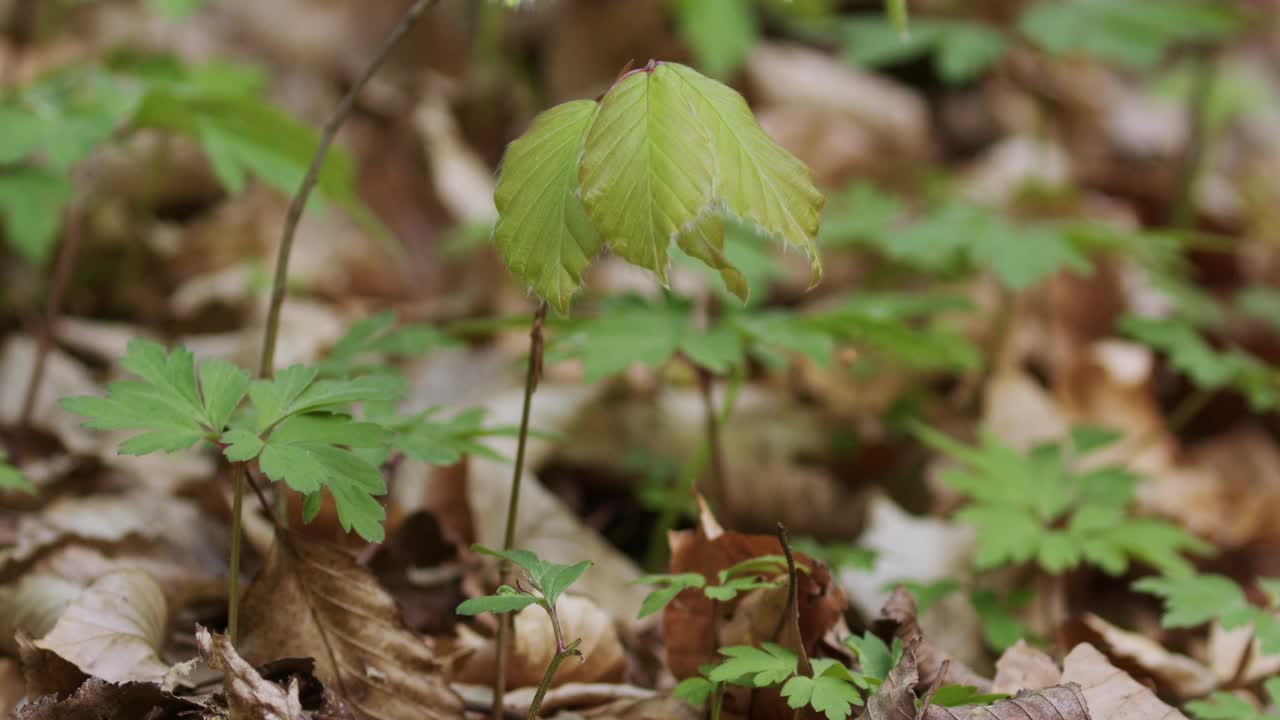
<point x="506" y="599"/>
<point x="766" y="665"/>
<point x="543" y="232"/>
<point x="549" y="578"/>
<point x="669" y="152"/>
<point x="648" y="172"/>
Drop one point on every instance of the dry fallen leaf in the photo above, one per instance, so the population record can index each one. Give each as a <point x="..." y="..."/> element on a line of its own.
<point x="248" y="695"/>
<point x="534" y="646"/>
<point x="1110" y="693"/>
<point x="114" y="629"/>
<point x="1177" y="674"/>
<point x="313" y="600"/>
<point x="32" y="606"/>
<point x="895" y="699"/>
<point x="1060" y="702"/>
<point x="97" y="699"/>
<point x="898" y="617"/>
<point x="1023" y="667"/>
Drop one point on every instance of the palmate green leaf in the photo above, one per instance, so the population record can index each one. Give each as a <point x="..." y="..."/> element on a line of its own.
<point x="445" y="442"/>
<point x="506" y="599"/>
<point x="295" y="390"/>
<point x="669" y="586"/>
<point x="875" y="658"/>
<point x="370" y="339"/>
<point x="543" y="232"/>
<point x="1000" y="628"/>
<point x="694" y="690"/>
<point x="176" y="409"/>
<point x="766" y="665"/>
<point x="830" y="695"/>
<point x="308" y="466"/>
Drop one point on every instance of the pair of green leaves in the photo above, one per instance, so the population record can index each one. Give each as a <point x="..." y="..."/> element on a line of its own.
<point x="1035" y="507"/>
<point x="297" y="426"/>
<point x="549" y="579"/>
<point x="11" y="478"/>
<point x="764" y="571"/>
<point x="661" y="158"/>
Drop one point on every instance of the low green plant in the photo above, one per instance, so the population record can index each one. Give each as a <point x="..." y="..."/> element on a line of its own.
<point x="1036" y="507"/>
<point x="547" y="582"/>
<point x="961" y="50"/>
<point x="765" y="571"/>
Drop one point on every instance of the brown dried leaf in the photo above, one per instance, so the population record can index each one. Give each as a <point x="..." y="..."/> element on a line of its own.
<point x="1180" y="675"/>
<point x="32" y="606"/>
<point x="97" y="699"/>
<point x="898" y="617"/>
<point x="114" y="629"/>
<point x="314" y="600"/>
<point x="1060" y="702"/>
<point x="1023" y="667"/>
<point x="1110" y="693"/>
<point x="247" y="693"/>
<point x="693" y="622"/>
<point x="895" y="699"/>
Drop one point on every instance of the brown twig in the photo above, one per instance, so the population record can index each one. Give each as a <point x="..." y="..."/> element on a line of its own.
<point x="791" y="611"/>
<point x="299" y="203"/>
<point x="933" y="688"/>
<point x="66" y="263"/>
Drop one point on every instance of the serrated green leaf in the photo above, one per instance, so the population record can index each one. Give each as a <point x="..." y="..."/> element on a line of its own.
<point x="506" y="600"/>
<point x="704" y="239"/>
<point x="543" y="231"/>
<point x="311" y="505"/>
<point x="767" y="665"/>
<point x="669" y="587"/>
<point x="648" y="169"/>
<point x="329" y="430"/>
<point x="309" y="466"/>
<point x="1000" y="629"/>
<point x="558" y="578"/>
<point x="1224" y="706"/>
<point x="875" y="658"/>
<point x="223" y="386"/>
<point x="272" y="398"/>
<point x="756" y="179"/>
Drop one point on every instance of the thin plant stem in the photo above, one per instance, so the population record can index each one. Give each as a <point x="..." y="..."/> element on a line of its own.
<point x="532" y="375"/>
<point x="656" y="555"/>
<point x="266" y="362"/>
<point x="543" y="686"/>
<point x="717" y="701"/>
<point x="233" y="582"/>
<point x="67" y="254"/>
<point x="299" y="202"/>
<point x="791" y="612"/>
<point x="719" y="481"/>
<point x="1182" y="212"/>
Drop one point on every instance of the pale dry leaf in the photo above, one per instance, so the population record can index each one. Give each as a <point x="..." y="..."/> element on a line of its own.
<point x="1060" y="702"/>
<point x="114" y="629"/>
<point x="1023" y="667"/>
<point x="64" y="377"/>
<point x="534" y="646"/>
<point x="1178" y="674"/>
<point x="32" y="606"/>
<point x="313" y="600"/>
<point x="895" y="699"/>
<point x="898" y="616"/>
<point x="1226" y="650"/>
<point x="248" y="694"/>
<point x="1111" y="694"/>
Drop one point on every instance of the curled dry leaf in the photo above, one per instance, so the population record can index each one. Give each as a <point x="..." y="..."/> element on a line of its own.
<point x="895" y="699"/>
<point x="1110" y="693"/>
<point x="114" y="629"/>
<point x="1177" y="674"/>
<point x="898" y="617"/>
<point x="534" y="646"/>
<point x="1060" y="702"/>
<point x="247" y="693"/>
<point x="1023" y="667"/>
<point x="314" y="600"/>
<point x="692" y="621"/>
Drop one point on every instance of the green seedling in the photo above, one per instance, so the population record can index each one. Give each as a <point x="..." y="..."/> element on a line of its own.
<point x="11" y="478"/>
<point x="763" y="572"/>
<point x="547" y="582"/>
